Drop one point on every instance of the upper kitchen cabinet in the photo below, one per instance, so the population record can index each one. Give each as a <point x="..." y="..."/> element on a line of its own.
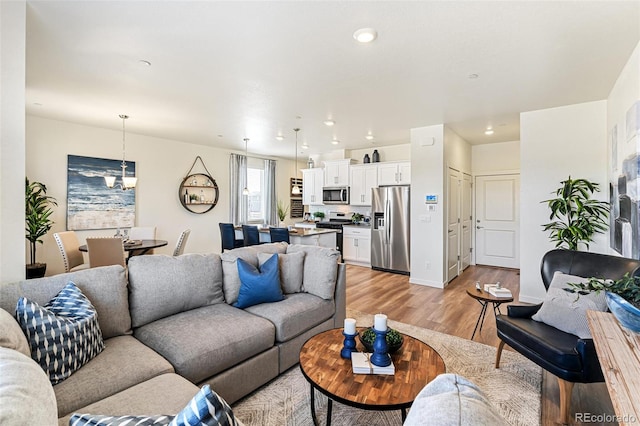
<point x="394" y="173"/>
<point x="312" y="182"/>
<point x="363" y="178"/>
<point x="336" y="172"/>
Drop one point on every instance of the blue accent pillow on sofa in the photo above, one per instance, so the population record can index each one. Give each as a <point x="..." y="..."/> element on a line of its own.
<point x="258" y="286"/>
<point x="64" y="334"/>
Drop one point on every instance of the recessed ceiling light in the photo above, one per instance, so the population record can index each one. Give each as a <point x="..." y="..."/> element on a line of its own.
<point x="329" y="122"/>
<point x="38" y="104"/>
<point x="473" y="76"/>
<point x="369" y="137"/>
<point x="280" y="137"/>
<point x="365" y="35"/>
<point x="488" y="132"/>
<point x="335" y="142"/>
<point x="304" y="146"/>
<point x="144" y="62"/>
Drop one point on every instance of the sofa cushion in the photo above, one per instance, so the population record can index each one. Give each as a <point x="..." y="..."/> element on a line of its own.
<point x="64" y="334"/>
<point x="161" y="285"/>
<point x="291" y="269"/>
<point x="167" y="394"/>
<point x="105" y="287"/>
<point x="567" y="311"/>
<point x="452" y="400"/>
<point x="294" y="315"/>
<point x="259" y="285"/>
<point x="320" y="269"/>
<point x="205" y="408"/>
<point x="26" y="396"/>
<point x="231" y="279"/>
<point x="11" y="335"/>
<point x="205" y="341"/>
<point x="123" y="363"/>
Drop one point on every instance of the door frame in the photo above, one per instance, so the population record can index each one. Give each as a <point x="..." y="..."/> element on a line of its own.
<point x="474" y="202"/>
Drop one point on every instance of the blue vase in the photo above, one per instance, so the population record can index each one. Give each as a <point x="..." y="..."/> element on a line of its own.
<point x="627" y="314"/>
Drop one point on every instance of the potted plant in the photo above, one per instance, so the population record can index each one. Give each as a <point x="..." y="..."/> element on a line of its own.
<point x="578" y="216"/>
<point x="623" y="297"/>
<point x="38" y="222"/>
<point x="357" y="218"/>
<point x="282" y="211"/>
<point x="319" y="215"/>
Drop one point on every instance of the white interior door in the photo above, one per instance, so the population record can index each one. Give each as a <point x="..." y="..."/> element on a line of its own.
<point x="467" y="221"/>
<point x="498" y="220"/>
<point x="453" y="225"/>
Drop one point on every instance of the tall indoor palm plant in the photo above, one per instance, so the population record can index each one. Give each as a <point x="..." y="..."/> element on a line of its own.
<point x="578" y="216"/>
<point x="38" y="222"/>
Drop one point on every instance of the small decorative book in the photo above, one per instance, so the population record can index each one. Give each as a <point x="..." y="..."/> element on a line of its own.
<point x="362" y="365"/>
<point x="497" y="292"/>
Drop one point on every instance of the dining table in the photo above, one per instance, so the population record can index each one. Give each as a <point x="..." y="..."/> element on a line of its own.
<point x="140" y="247"/>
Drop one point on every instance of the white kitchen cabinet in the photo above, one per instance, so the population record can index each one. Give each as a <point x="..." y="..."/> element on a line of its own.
<point x="363" y="178"/>
<point x="336" y="172"/>
<point x="356" y="245"/>
<point x="394" y="173"/>
<point x="312" y="181"/>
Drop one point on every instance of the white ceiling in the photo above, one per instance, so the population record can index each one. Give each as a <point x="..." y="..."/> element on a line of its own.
<point x="223" y="71"/>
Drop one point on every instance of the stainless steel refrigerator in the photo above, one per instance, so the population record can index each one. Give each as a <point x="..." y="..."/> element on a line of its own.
<point x="390" y="236"/>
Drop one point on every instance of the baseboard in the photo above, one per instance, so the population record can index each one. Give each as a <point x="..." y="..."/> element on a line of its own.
<point x="427" y="283"/>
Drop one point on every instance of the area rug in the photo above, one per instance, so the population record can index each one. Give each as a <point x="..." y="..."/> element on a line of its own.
<point x="514" y="388"/>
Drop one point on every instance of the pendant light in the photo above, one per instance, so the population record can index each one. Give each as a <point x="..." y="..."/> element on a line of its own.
<point x="127" y="182"/>
<point x="245" y="191"/>
<point x="296" y="189"/>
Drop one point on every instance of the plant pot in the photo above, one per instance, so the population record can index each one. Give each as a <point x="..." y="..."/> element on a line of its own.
<point x="36" y="270"/>
<point x="626" y="313"/>
<point x="368" y="345"/>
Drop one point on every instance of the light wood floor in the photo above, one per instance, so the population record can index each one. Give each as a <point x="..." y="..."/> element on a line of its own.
<point x="452" y="311"/>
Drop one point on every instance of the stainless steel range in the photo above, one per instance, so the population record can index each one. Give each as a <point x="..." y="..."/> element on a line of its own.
<point x="336" y="220"/>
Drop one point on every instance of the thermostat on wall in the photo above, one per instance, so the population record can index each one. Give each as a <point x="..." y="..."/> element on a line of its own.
<point x="431" y="199"/>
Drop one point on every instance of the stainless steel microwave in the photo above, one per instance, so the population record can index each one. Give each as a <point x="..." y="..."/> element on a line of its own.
<point x="335" y="195"/>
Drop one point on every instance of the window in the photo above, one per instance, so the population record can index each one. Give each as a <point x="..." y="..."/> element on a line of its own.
<point x="256" y="185"/>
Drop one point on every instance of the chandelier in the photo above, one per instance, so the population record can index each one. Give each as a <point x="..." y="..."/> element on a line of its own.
<point x="128" y="182"/>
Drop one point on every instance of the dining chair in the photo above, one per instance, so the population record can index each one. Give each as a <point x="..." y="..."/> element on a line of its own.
<point x="251" y="235"/>
<point x="279" y="234"/>
<point x="228" y="237"/>
<point x="69" y="248"/>
<point x="142" y="233"/>
<point x="106" y="251"/>
<point x="182" y="242"/>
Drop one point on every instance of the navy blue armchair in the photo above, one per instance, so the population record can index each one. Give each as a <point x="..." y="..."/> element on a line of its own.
<point x="566" y="356"/>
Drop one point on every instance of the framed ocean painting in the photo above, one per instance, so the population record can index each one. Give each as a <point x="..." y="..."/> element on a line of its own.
<point x="90" y="203"/>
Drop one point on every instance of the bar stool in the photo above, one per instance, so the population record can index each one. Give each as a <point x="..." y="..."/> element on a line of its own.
<point x="279" y="234"/>
<point x="251" y="235"/>
<point x="228" y="237"/>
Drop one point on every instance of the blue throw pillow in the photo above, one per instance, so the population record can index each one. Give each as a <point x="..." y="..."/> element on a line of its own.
<point x="258" y="286"/>
<point x="64" y="334"/>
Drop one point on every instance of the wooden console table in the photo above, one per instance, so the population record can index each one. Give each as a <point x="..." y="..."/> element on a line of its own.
<point x="619" y="354"/>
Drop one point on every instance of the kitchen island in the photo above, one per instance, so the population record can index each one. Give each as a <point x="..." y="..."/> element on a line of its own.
<point x="304" y="236"/>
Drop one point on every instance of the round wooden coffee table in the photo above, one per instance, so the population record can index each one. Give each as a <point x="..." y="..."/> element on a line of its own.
<point x="416" y="364"/>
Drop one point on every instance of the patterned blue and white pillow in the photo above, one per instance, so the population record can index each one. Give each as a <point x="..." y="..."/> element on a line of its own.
<point x="96" y="420"/>
<point x="64" y="334"/>
<point x="207" y="408"/>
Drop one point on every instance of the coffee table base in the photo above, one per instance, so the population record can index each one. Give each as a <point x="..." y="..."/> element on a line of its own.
<point x="314" y="417"/>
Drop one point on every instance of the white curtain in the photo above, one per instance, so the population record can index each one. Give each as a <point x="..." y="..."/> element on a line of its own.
<point x="270" y="198"/>
<point x="239" y="207"/>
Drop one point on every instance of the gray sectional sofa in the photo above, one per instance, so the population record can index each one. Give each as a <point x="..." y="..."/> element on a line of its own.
<point x="169" y="328"/>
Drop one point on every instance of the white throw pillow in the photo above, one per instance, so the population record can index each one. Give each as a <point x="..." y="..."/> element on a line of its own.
<point x="567" y="310"/>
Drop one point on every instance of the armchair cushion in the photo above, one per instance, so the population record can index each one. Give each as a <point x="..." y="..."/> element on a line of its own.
<point x="567" y="311"/>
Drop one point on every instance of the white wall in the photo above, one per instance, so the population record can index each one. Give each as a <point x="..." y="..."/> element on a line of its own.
<point x="161" y="165"/>
<point x="12" y="152"/>
<point x="556" y="143"/>
<point x="495" y="158"/>
<point x="427" y="228"/>
<point x="457" y="151"/>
